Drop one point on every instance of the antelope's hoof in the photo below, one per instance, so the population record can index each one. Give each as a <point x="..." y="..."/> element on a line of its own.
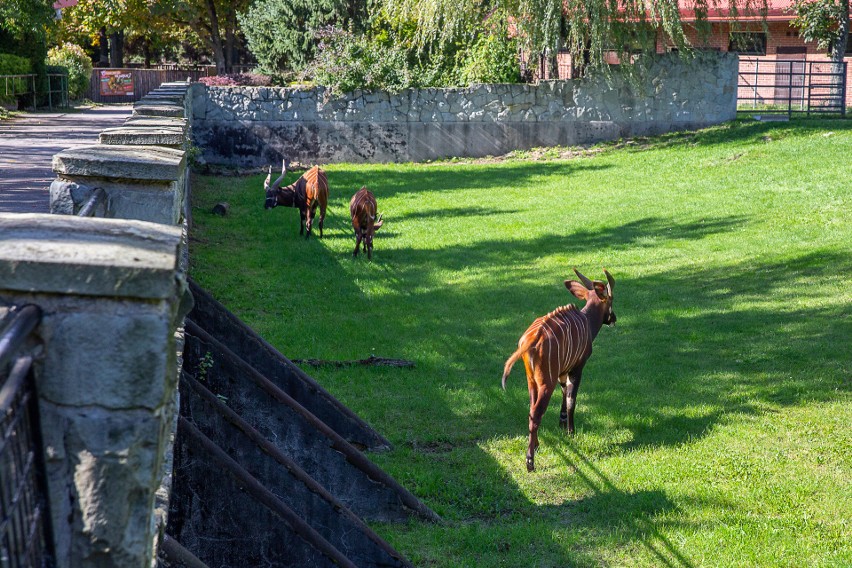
<point x="530" y="464"/>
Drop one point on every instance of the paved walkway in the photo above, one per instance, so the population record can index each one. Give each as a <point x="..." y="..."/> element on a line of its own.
<point x="28" y="143"/>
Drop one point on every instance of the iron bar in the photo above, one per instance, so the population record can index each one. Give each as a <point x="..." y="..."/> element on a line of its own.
<point x="97" y="198"/>
<point x="23" y="322"/>
<point x="174" y="552"/>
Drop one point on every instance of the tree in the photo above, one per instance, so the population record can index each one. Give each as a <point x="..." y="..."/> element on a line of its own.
<point x="281" y="33"/>
<point x="109" y="23"/>
<point x="24" y="25"/>
<point x="826" y="22"/>
<point x="215" y="23"/>
<point x="588" y="29"/>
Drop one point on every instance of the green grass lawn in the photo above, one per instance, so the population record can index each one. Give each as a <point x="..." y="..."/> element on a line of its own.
<point x="713" y="422"/>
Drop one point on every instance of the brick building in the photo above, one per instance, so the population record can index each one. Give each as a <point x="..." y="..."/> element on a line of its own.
<point x="773" y="44"/>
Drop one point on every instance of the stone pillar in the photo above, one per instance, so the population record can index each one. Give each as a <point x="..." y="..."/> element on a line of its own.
<point x="141" y="182"/>
<point x="111" y="292"/>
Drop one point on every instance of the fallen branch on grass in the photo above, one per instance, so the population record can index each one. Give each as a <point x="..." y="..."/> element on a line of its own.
<point x="371" y="360"/>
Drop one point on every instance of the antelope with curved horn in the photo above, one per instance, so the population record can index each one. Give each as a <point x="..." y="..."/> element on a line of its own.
<point x="307" y="193"/>
<point x="362" y="209"/>
<point x="555" y="348"/>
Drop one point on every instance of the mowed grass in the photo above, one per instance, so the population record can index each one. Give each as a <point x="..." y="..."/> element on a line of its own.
<point x="714" y="422"/>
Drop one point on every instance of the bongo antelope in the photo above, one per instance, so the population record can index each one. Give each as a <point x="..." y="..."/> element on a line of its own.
<point x="555" y="348"/>
<point x="362" y="208"/>
<point x="306" y="193"/>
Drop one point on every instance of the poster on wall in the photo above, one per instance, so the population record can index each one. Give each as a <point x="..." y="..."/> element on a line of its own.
<point x="114" y="82"/>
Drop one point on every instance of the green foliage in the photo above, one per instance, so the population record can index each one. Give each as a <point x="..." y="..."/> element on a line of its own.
<point x="23" y="18"/>
<point x="820" y="20"/>
<point x="389" y="57"/>
<point x="713" y="420"/>
<point x="346" y="62"/>
<point x="589" y="29"/>
<point x="79" y="66"/>
<point x="280" y="33"/>
<point x="492" y="58"/>
<point x="13" y="65"/>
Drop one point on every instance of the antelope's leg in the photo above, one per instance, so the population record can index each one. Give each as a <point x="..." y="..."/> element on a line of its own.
<point x="571" y="399"/>
<point x="357" y="243"/>
<point x="563" y="414"/>
<point x="303" y="214"/>
<point x="536" y="414"/>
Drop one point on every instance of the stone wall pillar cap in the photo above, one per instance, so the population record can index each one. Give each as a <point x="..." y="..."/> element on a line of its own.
<point x="121" y="162"/>
<point x="97" y="257"/>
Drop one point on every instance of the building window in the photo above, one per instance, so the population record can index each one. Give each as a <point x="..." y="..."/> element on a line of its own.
<point x="748" y="43"/>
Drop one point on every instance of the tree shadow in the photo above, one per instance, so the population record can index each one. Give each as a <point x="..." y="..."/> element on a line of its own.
<point x="448" y="177"/>
<point x="633" y="512"/>
<point x="737" y="132"/>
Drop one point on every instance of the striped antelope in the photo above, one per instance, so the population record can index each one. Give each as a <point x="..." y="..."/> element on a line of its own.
<point x="306" y="193"/>
<point x="556" y="347"/>
<point x="362" y="208"/>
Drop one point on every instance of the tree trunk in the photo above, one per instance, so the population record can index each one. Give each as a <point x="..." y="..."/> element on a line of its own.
<point x="838" y="51"/>
<point x="104" y="52"/>
<point x="552" y="64"/>
<point x="146" y="52"/>
<point x="116" y="49"/>
<point x="216" y="39"/>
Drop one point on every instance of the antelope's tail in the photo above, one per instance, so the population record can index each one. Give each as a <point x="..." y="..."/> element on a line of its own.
<point x="523" y="346"/>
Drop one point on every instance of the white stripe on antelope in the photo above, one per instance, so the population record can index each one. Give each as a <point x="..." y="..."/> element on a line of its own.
<point x="555" y="348"/>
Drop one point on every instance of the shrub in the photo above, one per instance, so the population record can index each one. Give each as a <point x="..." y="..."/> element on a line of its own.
<point x="13" y="65"/>
<point x="491" y="59"/>
<point x="346" y="62"/>
<point x="78" y="64"/>
<point x="239" y="79"/>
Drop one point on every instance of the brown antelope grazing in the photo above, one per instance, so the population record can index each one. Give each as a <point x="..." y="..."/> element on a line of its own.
<point x="362" y="208"/>
<point x="556" y="347"/>
<point x="306" y="193"/>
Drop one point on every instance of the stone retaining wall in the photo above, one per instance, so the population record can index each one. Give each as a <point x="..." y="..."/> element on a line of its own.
<point x="254" y="126"/>
<point x="112" y="290"/>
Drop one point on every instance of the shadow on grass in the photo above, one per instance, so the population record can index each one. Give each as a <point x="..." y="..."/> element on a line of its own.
<point x="692" y="349"/>
<point x="449" y="177"/>
<point x="740" y="131"/>
<point x="632" y="512"/>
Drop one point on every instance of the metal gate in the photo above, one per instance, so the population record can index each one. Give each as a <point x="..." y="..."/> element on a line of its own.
<point x="25" y="535"/>
<point x="788" y="86"/>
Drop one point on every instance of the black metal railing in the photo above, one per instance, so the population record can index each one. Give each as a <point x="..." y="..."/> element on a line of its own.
<point x="25" y="533"/>
<point x="96" y="199"/>
<point x="791" y="86"/>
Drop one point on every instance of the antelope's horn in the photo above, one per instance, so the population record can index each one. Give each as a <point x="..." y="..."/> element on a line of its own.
<point x="277" y="182"/>
<point x="609" y="279"/>
<point x="586" y="282"/>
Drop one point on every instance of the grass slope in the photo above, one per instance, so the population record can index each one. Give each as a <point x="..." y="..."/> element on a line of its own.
<point x="713" y="421"/>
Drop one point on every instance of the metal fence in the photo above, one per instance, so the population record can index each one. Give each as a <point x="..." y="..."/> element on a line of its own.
<point x="15" y="86"/>
<point x="25" y="534"/>
<point x="128" y="85"/>
<point x="788" y="86"/>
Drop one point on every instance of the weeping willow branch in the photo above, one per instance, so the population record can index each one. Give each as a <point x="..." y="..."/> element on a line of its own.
<point x="588" y="29"/>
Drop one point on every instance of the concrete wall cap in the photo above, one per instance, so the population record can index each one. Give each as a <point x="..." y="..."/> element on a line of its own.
<point x="143" y="135"/>
<point x="121" y="162"/>
<point x="88" y="256"/>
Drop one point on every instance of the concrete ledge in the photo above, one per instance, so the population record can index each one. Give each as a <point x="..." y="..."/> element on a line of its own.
<point x="144" y="136"/>
<point x="85" y="256"/>
<point x="158" y="110"/>
<point x="121" y="162"/>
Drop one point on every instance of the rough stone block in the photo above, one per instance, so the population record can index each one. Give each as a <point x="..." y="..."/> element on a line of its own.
<point x="123" y="162"/>
<point x="143" y="136"/>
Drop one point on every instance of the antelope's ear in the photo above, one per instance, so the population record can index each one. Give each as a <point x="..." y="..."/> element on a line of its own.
<point x="600" y="289"/>
<point x="266" y="181"/>
<point x="577" y="289"/>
